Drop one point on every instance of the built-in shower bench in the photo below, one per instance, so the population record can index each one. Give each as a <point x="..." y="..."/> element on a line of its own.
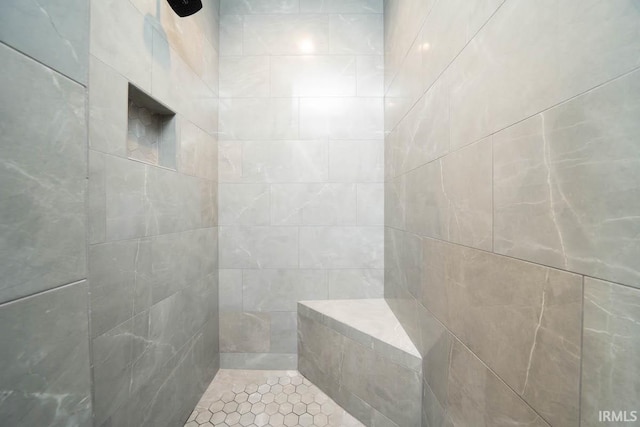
<point x="357" y="352"/>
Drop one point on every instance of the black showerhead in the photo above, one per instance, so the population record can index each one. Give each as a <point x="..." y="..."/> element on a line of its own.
<point x="185" y="7"/>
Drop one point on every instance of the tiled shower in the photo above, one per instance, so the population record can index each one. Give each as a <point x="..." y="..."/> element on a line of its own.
<point x="301" y="169"/>
<point x="374" y="212"/>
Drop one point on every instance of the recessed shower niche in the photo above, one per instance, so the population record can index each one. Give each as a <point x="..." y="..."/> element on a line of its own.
<point x="151" y="130"/>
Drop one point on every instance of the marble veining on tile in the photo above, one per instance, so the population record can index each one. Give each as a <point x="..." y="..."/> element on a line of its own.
<point x="300" y="162"/>
<point x="42" y="171"/>
<point x="579" y="162"/>
<point x="52" y="32"/>
<point x="610" y="374"/>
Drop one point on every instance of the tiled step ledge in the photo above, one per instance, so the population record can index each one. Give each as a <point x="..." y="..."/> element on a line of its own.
<point x="358" y="354"/>
<point x="369" y="322"/>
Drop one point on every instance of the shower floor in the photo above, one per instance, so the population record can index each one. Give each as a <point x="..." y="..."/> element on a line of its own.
<point x="266" y="398"/>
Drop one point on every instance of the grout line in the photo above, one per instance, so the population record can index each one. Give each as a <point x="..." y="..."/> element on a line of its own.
<point x="581" y="352"/>
<point x="459" y="341"/>
<point x="586" y="276"/>
<point x="43" y="292"/>
<point x="49" y="67"/>
<point x="493" y="202"/>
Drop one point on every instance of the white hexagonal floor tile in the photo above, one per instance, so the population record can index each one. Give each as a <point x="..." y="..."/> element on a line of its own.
<point x="258" y="408"/>
<point x="276" y="419"/>
<point x="247" y="419"/>
<point x="218" y="417"/>
<point x="306" y="420"/>
<point x="313" y="408"/>
<point x="285" y="408"/>
<point x="232" y="418"/>
<point x="244" y="407"/>
<point x="203" y="417"/>
<point x="299" y="408"/>
<point x="291" y="420"/>
<point x="230" y="407"/>
<point x="238" y="398"/>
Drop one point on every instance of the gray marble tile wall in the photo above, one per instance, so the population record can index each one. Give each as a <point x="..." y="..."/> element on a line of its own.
<point x="511" y="206"/>
<point x="109" y="295"/>
<point x="45" y="374"/>
<point x="300" y="167"/>
<point x="153" y="253"/>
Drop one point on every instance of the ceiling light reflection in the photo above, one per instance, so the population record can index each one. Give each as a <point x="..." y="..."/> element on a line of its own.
<point x="306" y="46"/>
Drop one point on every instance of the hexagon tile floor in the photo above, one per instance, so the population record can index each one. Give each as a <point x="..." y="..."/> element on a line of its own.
<point x="266" y="398"/>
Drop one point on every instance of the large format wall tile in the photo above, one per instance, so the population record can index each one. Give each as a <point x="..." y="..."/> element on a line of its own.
<point x="247" y="7"/>
<point x="539" y="54"/>
<point x="353" y="33"/>
<point x="355" y="283"/>
<point x="278" y="361"/>
<point x="55" y="33"/>
<point x="96" y="202"/>
<point x="107" y="116"/>
<point x="405" y="88"/>
<point x="356" y="161"/>
<point x="198" y="152"/>
<point x="113" y="278"/>
<point x="244" y="204"/>
<point x="469" y="195"/>
<point x="144" y="200"/>
<point x="567" y="185"/>
<point x="370" y="204"/>
<point x="230" y="290"/>
<point x="312" y="76"/>
<point x="44" y="359"/>
<point x="280" y="290"/>
<point x="610" y="377"/>
<point x="313" y="204"/>
<point x="395" y="202"/>
<point x="153" y="253"/>
<point x="187" y="38"/>
<point x="42" y="170"/>
<point x="341" y="118"/>
<point x="341" y="247"/>
<point x="423" y="135"/>
<point x="258" y="247"/>
<point x="126" y="47"/>
<point x="258" y="118"/>
<point x="244" y="76"/>
<point x="477" y="397"/>
<point x="454" y="206"/>
<point x="446" y="31"/>
<point x="192" y="97"/>
<point x="521" y="319"/>
<point x="370" y="75"/>
<point x="285" y="34"/>
<point x="283" y="338"/>
<point x="341" y="6"/>
<point x="182" y="378"/>
<point x="544" y="96"/>
<point x="244" y="332"/>
<point x="113" y="357"/>
<point x="127" y="277"/>
<point x="300" y="160"/>
<point x="402" y="22"/>
<point x="231" y="27"/>
<point x="273" y="161"/>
